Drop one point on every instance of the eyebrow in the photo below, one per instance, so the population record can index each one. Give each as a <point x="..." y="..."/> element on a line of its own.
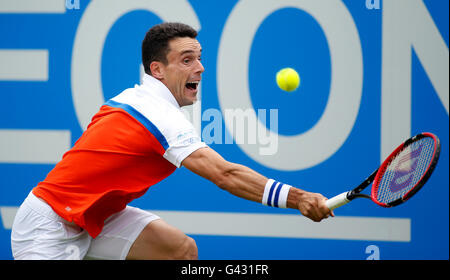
<point x="188" y="51"/>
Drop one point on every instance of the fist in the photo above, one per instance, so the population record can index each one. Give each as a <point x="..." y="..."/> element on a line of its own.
<point x="312" y="206"/>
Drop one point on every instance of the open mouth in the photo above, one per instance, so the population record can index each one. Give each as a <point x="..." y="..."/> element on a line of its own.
<point x="192" y="85"/>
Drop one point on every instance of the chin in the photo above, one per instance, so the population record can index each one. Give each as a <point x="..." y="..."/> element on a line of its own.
<point x="189" y="100"/>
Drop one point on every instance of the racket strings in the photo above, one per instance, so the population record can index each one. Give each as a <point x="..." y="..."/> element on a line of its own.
<point x="405" y="170"/>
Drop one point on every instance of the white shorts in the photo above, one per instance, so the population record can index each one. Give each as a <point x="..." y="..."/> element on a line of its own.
<point x="39" y="233"/>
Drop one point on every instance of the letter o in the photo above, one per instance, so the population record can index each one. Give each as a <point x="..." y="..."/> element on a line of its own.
<point x="314" y="146"/>
<point x="97" y="20"/>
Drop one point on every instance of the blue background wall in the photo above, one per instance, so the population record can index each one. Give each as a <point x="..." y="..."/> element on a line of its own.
<point x="391" y="40"/>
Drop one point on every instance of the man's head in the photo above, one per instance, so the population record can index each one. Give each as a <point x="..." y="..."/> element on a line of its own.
<point x="171" y="54"/>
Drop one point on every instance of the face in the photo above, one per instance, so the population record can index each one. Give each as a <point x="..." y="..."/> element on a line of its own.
<point x="182" y="74"/>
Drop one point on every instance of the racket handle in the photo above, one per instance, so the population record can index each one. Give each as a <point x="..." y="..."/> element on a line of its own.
<point x="337" y="201"/>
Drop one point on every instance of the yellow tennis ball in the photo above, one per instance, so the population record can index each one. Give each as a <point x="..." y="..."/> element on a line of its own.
<point x="288" y="79"/>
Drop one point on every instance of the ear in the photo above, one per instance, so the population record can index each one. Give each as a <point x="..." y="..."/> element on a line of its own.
<point x="157" y="69"/>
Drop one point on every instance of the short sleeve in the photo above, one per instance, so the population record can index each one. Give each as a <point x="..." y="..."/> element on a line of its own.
<point x="183" y="140"/>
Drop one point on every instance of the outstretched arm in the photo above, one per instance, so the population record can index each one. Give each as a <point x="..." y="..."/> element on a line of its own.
<point x="246" y="183"/>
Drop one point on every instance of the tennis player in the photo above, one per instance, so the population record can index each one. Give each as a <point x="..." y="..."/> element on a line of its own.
<point x="134" y="141"/>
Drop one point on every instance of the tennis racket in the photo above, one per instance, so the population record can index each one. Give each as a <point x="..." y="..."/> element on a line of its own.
<point x="400" y="176"/>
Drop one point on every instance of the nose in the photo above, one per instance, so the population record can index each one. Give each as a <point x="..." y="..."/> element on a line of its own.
<point x="200" y="68"/>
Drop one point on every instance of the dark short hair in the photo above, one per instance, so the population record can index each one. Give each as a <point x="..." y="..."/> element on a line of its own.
<point x="155" y="46"/>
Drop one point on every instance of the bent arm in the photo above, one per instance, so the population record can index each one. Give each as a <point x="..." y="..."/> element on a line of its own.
<point x="246" y="183"/>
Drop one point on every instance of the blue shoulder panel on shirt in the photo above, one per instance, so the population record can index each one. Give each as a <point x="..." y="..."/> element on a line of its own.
<point x="143" y="120"/>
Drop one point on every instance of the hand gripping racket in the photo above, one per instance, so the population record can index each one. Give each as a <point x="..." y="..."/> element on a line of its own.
<point x="401" y="174"/>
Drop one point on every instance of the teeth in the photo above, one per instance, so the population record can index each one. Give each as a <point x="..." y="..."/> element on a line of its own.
<point x="192" y="85"/>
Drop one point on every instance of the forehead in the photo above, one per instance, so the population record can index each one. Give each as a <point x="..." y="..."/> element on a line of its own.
<point x="179" y="46"/>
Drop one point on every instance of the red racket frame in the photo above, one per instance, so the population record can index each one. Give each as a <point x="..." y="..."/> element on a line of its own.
<point x="422" y="180"/>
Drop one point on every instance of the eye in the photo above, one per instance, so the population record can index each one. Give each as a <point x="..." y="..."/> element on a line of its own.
<point x="187" y="60"/>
